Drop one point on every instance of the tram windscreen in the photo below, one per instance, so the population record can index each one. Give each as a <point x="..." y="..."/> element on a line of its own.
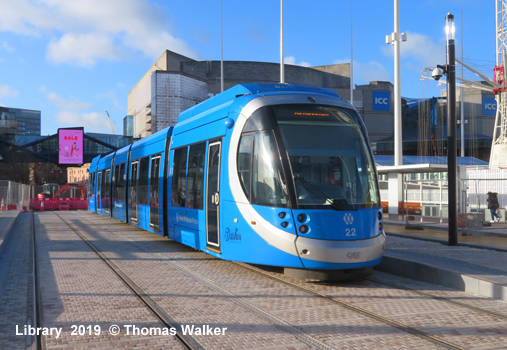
<point x="329" y="157"/>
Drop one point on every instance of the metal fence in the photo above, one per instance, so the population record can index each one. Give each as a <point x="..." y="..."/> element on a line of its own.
<point x="14" y="195"/>
<point x="425" y="196"/>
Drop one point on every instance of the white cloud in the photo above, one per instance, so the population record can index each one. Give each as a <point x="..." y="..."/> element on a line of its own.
<point x="366" y="72"/>
<point x="419" y="50"/>
<point x="93" y="121"/>
<point x="292" y="60"/>
<point x="81" y="49"/>
<point x="111" y="96"/>
<point x="66" y="104"/>
<point x="85" y="31"/>
<point x="4" y="45"/>
<point x="371" y="71"/>
<point x="24" y="17"/>
<point x="7" y="91"/>
<point x="76" y="113"/>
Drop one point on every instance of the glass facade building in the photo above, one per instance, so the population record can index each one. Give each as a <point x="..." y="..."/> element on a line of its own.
<point x="20" y="121"/>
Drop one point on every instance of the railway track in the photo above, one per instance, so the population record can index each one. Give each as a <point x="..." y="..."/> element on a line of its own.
<point x="311" y="289"/>
<point x="187" y="341"/>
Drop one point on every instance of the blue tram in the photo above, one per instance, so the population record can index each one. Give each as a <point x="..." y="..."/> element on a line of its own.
<point x="270" y="174"/>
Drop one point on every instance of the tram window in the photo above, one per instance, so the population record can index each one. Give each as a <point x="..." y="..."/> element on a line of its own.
<point x="99" y="189"/>
<point x="142" y="185"/>
<point x="196" y="176"/>
<point x="107" y="195"/>
<point x="265" y="185"/>
<point x="245" y="162"/>
<point x="103" y="188"/>
<point x="91" y="184"/>
<point x="179" y="177"/>
<point x="132" y="190"/>
<point x="115" y="181"/>
<point x="119" y="182"/>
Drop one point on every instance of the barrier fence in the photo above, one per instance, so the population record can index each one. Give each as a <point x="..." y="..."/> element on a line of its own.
<point x="58" y="203"/>
<point x="16" y="196"/>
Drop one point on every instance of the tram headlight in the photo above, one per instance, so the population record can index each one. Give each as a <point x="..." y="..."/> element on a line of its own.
<point x="301" y="218"/>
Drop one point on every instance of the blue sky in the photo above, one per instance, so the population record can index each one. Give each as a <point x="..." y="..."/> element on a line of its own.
<point x="75" y="59"/>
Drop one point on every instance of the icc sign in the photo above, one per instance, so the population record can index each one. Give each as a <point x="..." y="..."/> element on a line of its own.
<point x="488" y="106"/>
<point x="381" y="100"/>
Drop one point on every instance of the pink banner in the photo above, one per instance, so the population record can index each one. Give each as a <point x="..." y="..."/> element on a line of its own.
<point x="70" y="143"/>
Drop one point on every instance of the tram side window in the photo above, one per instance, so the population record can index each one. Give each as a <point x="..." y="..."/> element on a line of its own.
<point x="142" y="185"/>
<point x="132" y="189"/>
<point x="91" y="184"/>
<point x="154" y="181"/>
<point x="119" y="181"/>
<point x="265" y="185"/>
<point x="115" y="181"/>
<point x="245" y="162"/>
<point x="107" y="194"/>
<point x="103" y="188"/>
<point x="195" y="179"/>
<point x="179" y="177"/>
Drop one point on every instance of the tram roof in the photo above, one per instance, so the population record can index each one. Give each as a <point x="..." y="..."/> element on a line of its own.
<point x="151" y="139"/>
<point x="225" y="99"/>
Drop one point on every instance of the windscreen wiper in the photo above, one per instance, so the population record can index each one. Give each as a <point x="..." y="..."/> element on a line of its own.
<point x="333" y="203"/>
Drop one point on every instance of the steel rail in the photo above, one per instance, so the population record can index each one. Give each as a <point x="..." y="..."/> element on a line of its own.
<point x="188" y="341"/>
<point x="362" y="311"/>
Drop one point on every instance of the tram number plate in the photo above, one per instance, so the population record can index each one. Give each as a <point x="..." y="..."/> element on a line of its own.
<point x="350" y="232"/>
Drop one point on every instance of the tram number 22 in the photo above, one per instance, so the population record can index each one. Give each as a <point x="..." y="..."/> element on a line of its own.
<point x="350" y="232"/>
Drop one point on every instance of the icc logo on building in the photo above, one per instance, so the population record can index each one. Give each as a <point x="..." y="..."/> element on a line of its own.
<point x="488" y="106"/>
<point x="381" y="100"/>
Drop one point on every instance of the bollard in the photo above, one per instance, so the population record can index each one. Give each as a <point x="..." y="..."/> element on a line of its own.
<point x="42" y="205"/>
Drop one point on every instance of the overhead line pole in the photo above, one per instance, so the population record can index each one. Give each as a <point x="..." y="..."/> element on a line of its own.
<point x="351" y="59"/>
<point x="398" y="145"/>
<point x="221" y="51"/>
<point x="282" y="73"/>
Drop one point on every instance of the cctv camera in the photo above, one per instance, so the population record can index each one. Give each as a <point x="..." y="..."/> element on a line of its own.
<point x="437" y="73"/>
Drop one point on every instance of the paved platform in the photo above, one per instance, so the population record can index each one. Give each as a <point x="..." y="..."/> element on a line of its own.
<point x="478" y="264"/>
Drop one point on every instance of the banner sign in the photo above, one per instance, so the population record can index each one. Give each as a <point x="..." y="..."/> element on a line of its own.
<point x="70" y="145"/>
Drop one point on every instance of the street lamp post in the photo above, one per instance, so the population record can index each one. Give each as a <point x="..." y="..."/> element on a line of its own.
<point x="451" y="130"/>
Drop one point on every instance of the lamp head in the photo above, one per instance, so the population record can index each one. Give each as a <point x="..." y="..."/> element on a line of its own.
<point x="450" y="29"/>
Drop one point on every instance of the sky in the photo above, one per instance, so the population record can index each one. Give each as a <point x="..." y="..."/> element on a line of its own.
<point x="73" y="60"/>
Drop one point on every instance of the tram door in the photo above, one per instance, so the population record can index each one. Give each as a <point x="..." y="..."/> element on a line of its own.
<point x="213" y="197"/>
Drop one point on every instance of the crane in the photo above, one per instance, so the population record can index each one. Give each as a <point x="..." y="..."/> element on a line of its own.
<point x="498" y="155"/>
<point x="110" y="123"/>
